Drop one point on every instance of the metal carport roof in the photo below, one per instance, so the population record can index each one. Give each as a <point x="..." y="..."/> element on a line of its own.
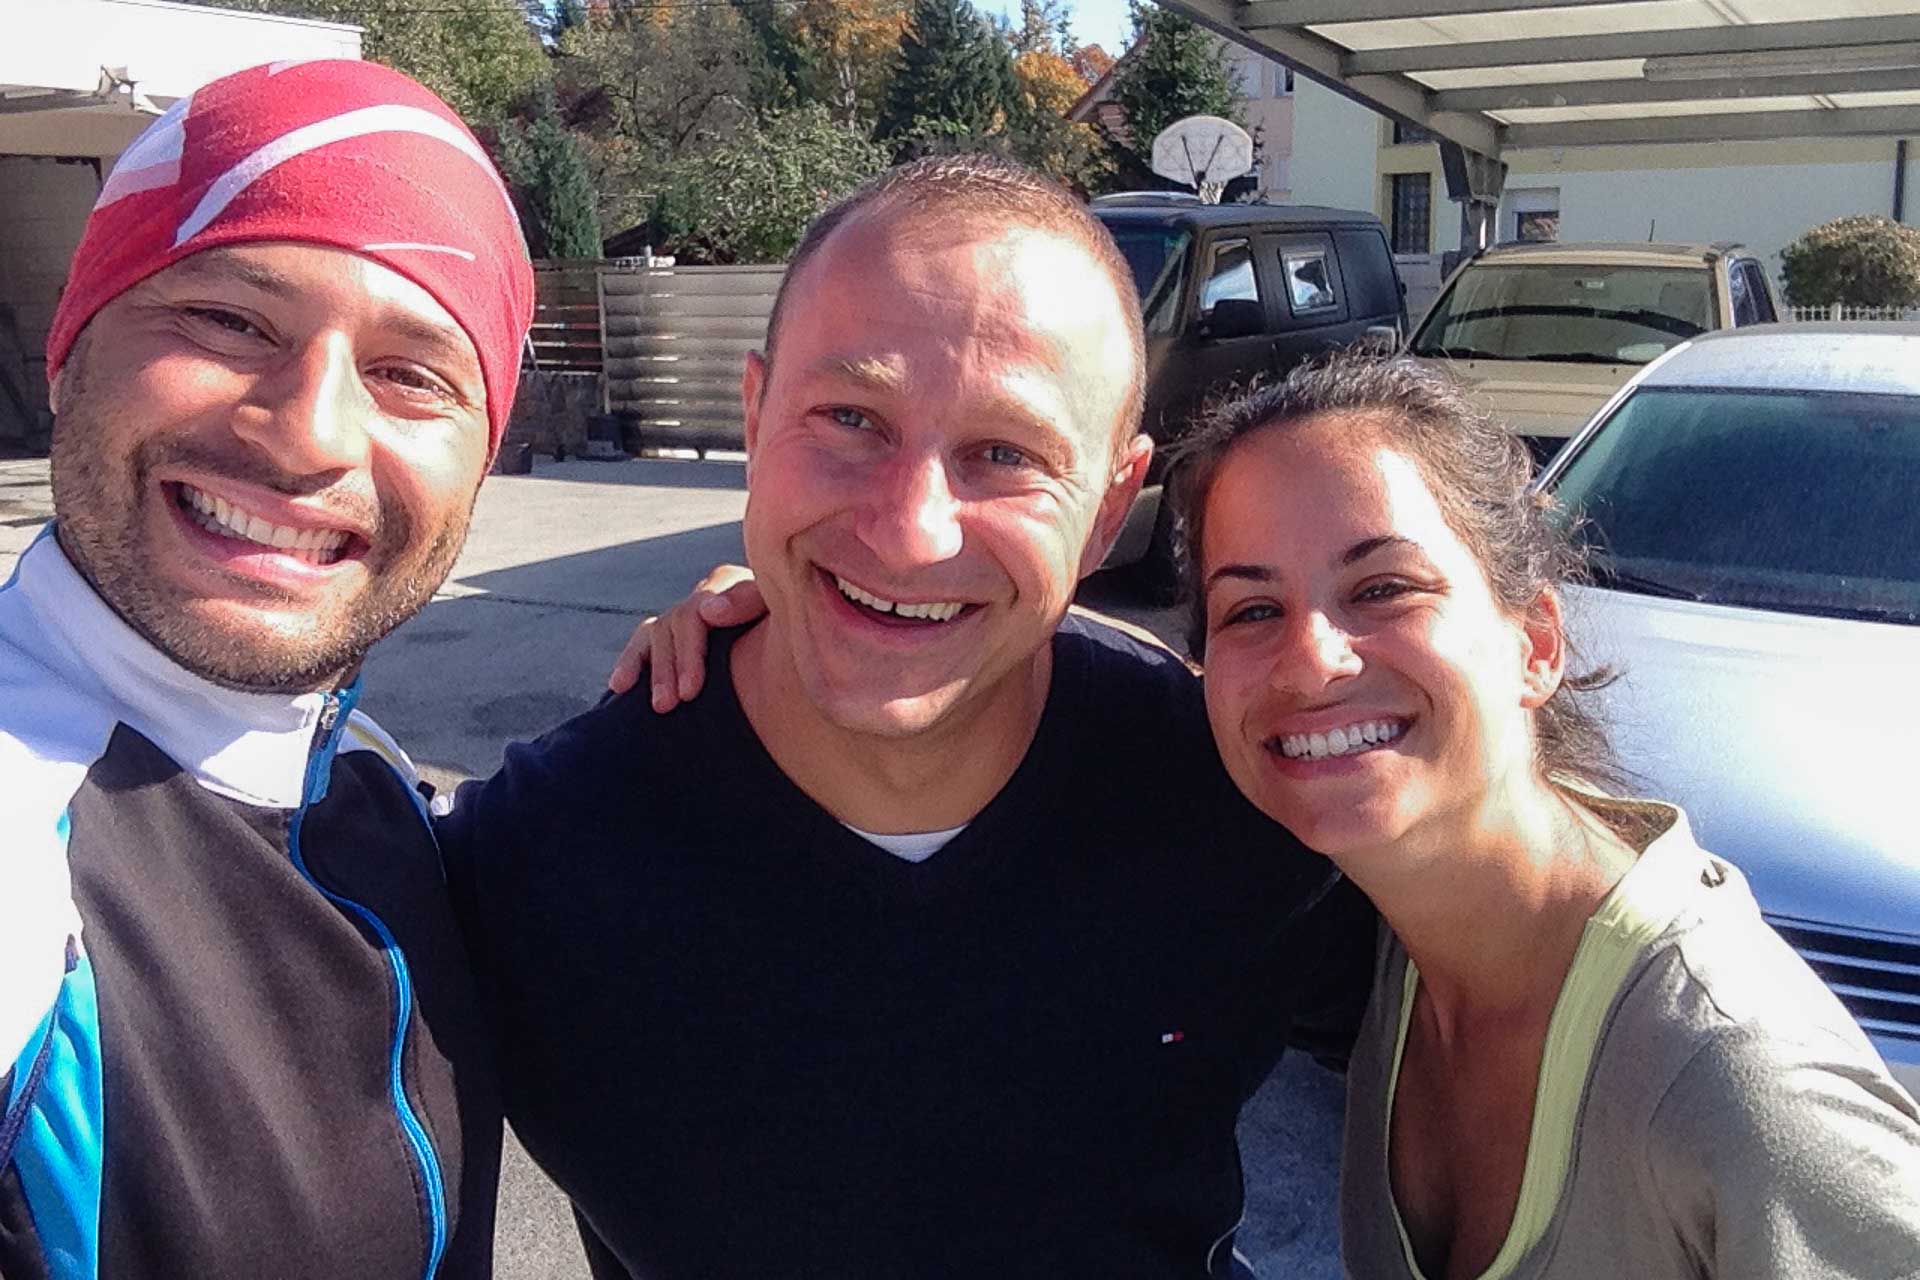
<point x="1489" y="76"/>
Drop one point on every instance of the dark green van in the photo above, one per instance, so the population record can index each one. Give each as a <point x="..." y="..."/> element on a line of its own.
<point x="1232" y="292"/>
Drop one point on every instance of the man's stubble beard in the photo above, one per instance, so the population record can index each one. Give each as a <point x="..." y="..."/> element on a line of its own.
<point x="99" y="496"/>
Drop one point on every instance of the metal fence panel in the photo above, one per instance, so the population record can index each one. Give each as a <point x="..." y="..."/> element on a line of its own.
<point x="675" y="340"/>
<point x="566" y="316"/>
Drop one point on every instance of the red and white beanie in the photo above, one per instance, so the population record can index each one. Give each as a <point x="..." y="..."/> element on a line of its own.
<point x="352" y="155"/>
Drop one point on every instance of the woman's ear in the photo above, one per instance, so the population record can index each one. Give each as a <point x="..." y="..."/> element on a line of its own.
<point x="1544" y="634"/>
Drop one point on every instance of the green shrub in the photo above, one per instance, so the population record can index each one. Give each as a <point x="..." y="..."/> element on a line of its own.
<point x="749" y="199"/>
<point x="1862" y="261"/>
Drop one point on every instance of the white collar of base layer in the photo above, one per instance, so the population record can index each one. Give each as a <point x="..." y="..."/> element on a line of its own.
<point x="252" y="747"/>
<point x="914" y="846"/>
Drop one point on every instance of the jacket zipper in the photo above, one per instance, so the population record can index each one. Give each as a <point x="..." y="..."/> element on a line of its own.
<point x="333" y="717"/>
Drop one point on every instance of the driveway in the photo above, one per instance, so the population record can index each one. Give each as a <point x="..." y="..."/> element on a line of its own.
<point x="558" y="568"/>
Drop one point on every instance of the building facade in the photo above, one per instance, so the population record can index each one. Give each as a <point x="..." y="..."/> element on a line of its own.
<point x="1762" y="194"/>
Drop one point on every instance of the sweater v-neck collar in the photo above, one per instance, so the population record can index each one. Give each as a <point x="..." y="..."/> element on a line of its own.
<point x="969" y="854"/>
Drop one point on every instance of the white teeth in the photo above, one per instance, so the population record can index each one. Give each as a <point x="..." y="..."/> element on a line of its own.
<point x="1343" y="741"/>
<point x="932" y="612"/>
<point x="217" y="515"/>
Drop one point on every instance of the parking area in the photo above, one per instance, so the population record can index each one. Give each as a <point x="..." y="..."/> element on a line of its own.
<point x="559" y="567"/>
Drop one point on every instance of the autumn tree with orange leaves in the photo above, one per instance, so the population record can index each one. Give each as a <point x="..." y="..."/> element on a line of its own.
<point x="1075" y="153"/>
<point x="851" y="48"/>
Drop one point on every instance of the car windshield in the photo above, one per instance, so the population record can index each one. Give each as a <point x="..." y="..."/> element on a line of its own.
<point x="1579" y="314"/>
<point x="1800" y="502"/>
<point x="1157" y="256"/>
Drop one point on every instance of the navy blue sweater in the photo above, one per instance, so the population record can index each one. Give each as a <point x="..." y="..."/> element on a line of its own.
<point x="748" y="1042"/>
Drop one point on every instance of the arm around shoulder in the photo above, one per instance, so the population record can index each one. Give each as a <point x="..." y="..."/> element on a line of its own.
<point x="1790" y="1157"/>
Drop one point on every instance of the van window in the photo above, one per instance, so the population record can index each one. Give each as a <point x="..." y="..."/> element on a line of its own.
<point x="1309" y="282"/>
<point x="1229" y="275"/>
<point x="1757" y="290"/>
<point x="1739" y="291"/>
<point x="1373" y="290"/>
<point x="1158" y="257"/>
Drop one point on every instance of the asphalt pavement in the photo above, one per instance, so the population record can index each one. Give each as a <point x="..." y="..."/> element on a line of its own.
<point x="559" y="567"/>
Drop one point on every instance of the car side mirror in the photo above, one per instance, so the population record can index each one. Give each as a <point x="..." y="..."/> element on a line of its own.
<point x="1234" y="318"/>
<point x="1380" y="339"/>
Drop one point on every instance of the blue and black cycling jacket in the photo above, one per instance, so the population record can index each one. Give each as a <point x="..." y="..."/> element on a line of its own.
<point x="238" y="1037"/>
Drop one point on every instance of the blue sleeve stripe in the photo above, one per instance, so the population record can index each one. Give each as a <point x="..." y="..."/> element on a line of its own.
<point x="59" y="1148"/>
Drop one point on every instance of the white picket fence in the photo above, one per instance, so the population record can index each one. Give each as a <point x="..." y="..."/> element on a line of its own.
<point x="1846" y="311"/>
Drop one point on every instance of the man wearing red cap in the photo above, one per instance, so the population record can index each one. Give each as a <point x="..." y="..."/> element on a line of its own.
<point x="237" y="1034"/>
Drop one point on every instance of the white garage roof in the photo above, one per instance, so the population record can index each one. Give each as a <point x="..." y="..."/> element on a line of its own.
<point x="84" y="77"/>
<point x="1495" y="75"/>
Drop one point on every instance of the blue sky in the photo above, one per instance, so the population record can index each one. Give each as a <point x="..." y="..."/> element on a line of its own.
<point x="1101" y="22"/>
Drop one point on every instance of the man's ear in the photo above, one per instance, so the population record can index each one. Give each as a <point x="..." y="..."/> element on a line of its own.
<point x="1129" y="473"/>
<point x="1544" y="642"/>
<point x="753" y="381"/>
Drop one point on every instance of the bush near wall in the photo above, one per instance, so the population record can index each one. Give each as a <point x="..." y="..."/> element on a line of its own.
<point x="1861" y="261"/>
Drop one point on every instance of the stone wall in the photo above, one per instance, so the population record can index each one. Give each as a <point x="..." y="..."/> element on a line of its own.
<point x="551" y="413"/>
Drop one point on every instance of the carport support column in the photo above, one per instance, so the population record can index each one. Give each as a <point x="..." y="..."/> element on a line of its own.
<point x="1475" y="181"/>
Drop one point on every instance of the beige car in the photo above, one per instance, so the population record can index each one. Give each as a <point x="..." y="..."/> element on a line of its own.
<point x="1543" y="334"/>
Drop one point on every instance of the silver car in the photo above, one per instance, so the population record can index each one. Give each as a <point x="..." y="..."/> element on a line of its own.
<point x="1752" y="503"/>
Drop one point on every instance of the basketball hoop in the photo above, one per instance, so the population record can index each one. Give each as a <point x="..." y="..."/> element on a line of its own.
<point x="1204" y="152"/>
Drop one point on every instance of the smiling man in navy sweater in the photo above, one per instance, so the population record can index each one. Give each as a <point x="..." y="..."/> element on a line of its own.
<point x="933" y="940"/>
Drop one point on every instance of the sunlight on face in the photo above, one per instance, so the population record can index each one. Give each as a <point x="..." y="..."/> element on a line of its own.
<point x="265" y="457"/>
<point x="1364" y="685"/>
<point x="935" y="432"/>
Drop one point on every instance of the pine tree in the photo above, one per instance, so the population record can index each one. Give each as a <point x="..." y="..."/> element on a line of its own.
<point x="1044" y="26"/>
<point x="544" y="166"/>
<point x="1177" y="70"/>
<point x="779" y="63"/>
<point x="955" y="79"/>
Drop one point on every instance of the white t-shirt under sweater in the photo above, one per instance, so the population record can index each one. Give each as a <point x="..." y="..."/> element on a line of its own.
<point x="913" y="846"/>
<point x="1706" y="1107"/>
